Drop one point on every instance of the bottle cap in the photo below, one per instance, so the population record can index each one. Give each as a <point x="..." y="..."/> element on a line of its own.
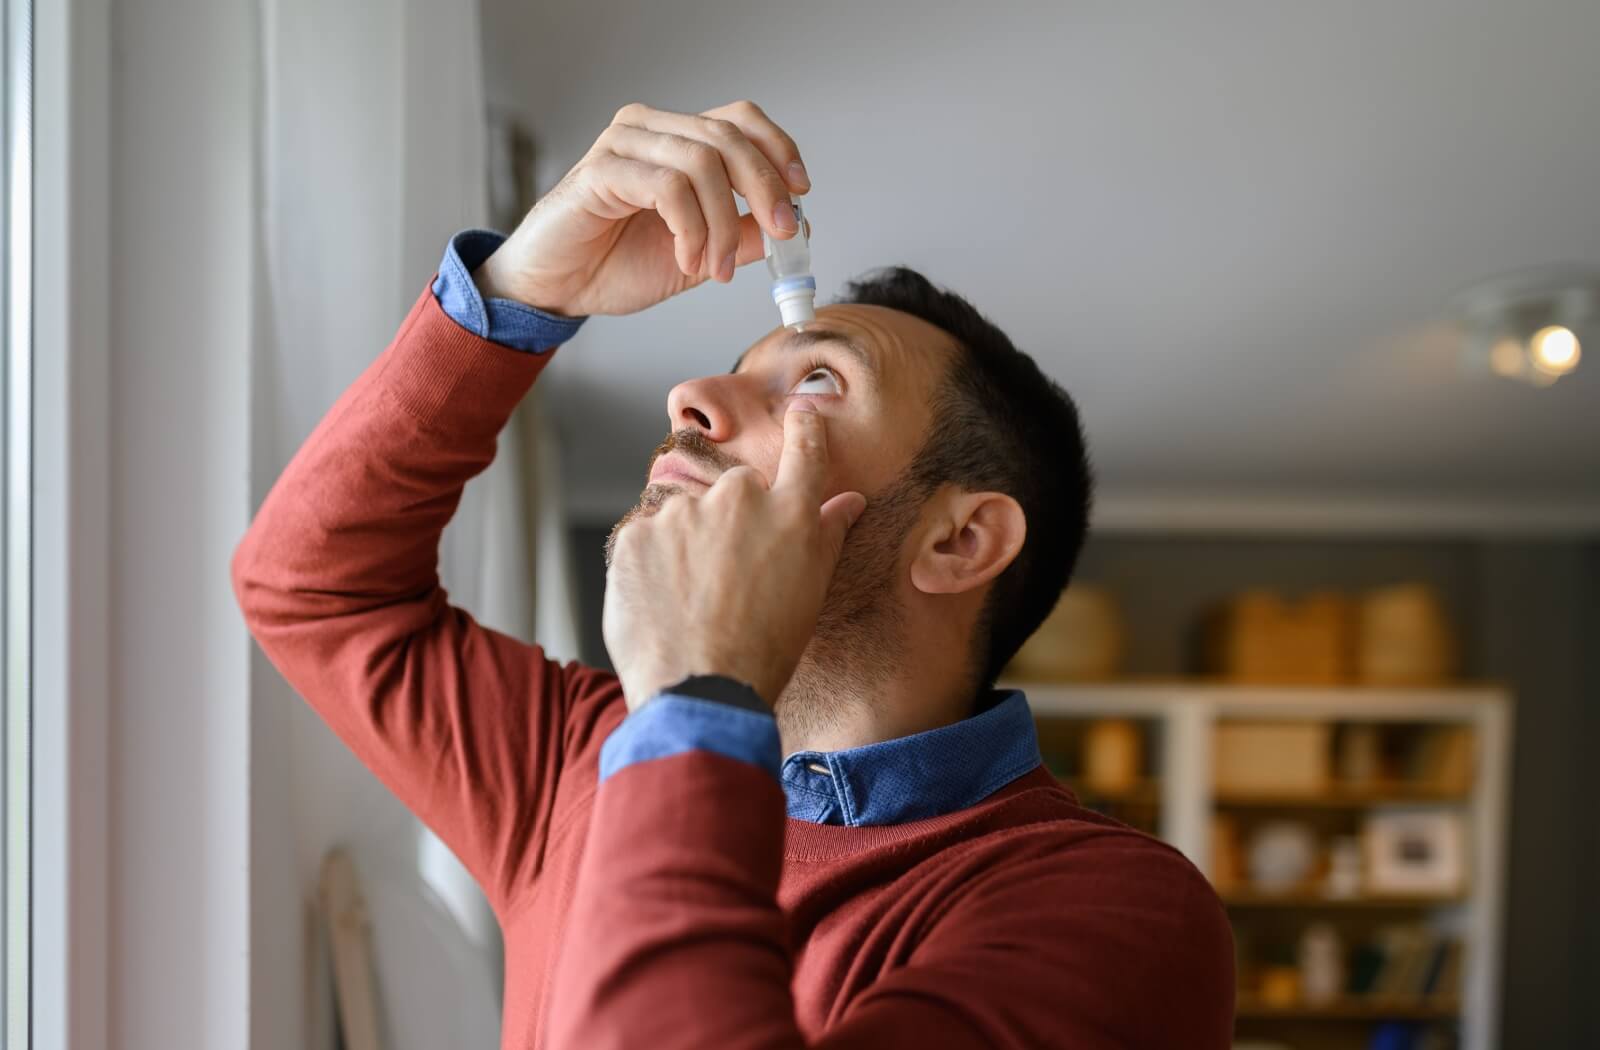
<point x="796" y="298"/>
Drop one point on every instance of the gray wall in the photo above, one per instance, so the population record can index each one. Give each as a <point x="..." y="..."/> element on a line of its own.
<point x="1527" y="614"/>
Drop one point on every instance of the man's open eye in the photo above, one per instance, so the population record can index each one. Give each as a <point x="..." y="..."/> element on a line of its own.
<point x="820" y="380"/>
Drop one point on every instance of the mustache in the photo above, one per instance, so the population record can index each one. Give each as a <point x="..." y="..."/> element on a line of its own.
<point x="698" y="448"/>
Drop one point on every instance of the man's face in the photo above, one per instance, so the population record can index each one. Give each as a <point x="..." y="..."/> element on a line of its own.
<point x="869" y="370"/>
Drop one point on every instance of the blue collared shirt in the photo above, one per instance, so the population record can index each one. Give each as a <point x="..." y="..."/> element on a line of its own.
<point x="891" y="782"/>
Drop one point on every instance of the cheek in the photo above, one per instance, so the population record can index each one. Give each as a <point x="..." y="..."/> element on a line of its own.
<point x="858" y="461"/>
<point x="763" y="452"/>
<point x="861" y="457"/>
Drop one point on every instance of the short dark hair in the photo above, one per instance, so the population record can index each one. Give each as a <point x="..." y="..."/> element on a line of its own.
<point x="1000" y="425"/>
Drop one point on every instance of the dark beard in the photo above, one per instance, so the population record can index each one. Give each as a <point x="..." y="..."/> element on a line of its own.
<point x="859" y="642"/>
<point x="650" y="501"/>
<point x="688" y="442"/>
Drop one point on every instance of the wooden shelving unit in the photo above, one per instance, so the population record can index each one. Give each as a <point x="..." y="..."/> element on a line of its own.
<point x="1178" y="794"/>
<point x="1374" y="1009"/>
<point x="1340" y="797"/>
<point x="1322" y="902"/>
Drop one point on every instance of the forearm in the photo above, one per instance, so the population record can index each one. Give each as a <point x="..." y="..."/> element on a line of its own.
<point x="353" y="524"/>
<point x="337" y="577"/>
<point x="675" y="936"/>
<point x="355" y="520"/>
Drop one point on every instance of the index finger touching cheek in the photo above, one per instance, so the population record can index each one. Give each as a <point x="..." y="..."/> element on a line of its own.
<point x="803" y="465"/>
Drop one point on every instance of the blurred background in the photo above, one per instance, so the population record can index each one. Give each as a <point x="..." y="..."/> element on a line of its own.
<point x="1322" y="279"/>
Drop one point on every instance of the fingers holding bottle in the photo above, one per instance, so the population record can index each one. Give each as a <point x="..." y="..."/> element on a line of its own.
<point x="652" y="209"/>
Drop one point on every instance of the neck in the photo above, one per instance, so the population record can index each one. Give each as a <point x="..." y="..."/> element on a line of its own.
<point x="874" y="683"/>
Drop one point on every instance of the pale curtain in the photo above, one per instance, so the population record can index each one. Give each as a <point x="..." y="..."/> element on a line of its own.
<point x="374" y="141"/>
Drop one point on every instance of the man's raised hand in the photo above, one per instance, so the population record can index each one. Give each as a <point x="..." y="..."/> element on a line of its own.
<point x="650" y="211"/>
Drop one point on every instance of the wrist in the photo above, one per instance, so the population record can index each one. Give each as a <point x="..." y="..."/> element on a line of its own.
<point x="718" y="689"/>
<point x="639" y="686"/>
<point x="498" y="278"/>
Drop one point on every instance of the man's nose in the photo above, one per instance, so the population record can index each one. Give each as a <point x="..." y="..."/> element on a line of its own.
<point x="711" y="405"/>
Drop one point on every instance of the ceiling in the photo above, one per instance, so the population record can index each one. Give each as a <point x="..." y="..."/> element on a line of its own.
<point x="1231" y="230"/>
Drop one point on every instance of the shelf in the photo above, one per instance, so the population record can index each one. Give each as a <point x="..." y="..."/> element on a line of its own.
<point x="1190" y="684"/>
<point x="1354" y="1009"/>
<point x="1317" y="902"/>
<point x="1180" y="721"/>
<point x="1338" y="796"/>
<point x="1459" y="704"/>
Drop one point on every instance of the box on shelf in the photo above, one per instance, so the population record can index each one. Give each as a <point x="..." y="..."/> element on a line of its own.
<point x="1403" y="637"/>
<point x="1259" y="637"/>
<point x="1082" y="640"/>
<point x="1271" y="757"/>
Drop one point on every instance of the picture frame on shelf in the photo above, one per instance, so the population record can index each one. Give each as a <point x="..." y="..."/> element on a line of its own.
<point x="1414" y="852"/>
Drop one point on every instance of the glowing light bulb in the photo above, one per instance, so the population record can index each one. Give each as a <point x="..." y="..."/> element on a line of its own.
<point x="1554" y="350"/>
<point x="789" y="262"/>
<point x="1507" y="359"/>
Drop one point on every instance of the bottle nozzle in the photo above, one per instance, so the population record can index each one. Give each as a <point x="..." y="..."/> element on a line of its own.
<point x="797" y="299"/>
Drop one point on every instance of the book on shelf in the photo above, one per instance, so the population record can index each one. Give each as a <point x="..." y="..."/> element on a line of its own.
<point x="1406" y="962"/>
<point x="1443" y="759"/>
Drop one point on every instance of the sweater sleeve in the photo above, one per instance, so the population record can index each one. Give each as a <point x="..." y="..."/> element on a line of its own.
<point x="676" y="938"/>
<point x="338" y="580"/>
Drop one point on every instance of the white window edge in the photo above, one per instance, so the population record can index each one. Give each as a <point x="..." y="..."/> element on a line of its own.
<point x="71" y="687"/>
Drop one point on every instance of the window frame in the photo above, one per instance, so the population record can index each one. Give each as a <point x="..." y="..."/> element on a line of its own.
<point x="71" y="838"/>
<point x="16" y="481"/>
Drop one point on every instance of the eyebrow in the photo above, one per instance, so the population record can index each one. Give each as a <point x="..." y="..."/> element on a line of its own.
<point x="807" y="337"/>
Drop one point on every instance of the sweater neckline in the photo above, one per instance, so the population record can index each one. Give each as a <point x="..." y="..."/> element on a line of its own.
<point x="805" y="840"/>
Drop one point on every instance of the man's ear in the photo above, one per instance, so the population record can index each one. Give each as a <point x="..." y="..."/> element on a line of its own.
<point x="975" y="535"/>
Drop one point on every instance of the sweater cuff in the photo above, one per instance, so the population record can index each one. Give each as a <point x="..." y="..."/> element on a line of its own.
<point x="511" y="324"/>
<point x="671" y="725"/>
<point x="444" y="375"/>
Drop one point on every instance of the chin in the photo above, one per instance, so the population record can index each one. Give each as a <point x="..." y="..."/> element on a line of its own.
<point x="650" y="501"/>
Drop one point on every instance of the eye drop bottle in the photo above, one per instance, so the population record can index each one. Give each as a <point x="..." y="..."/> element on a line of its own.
<point x="789" y="262"/>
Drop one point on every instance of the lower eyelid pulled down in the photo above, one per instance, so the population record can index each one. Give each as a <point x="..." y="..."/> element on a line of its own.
<point x="811" y="374"/>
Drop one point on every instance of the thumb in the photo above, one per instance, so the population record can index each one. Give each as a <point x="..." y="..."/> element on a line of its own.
<point x="838" y="515"/>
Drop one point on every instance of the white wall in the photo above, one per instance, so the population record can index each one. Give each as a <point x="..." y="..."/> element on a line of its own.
<point x="1232" y="229"/>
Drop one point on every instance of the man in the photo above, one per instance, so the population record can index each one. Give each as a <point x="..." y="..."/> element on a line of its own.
<point x="797" y="815"/>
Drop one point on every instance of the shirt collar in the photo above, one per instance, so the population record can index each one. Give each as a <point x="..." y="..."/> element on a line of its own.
<point x="919" y="776"/>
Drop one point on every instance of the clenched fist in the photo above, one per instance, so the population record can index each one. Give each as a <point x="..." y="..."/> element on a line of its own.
<point x="650" y="211"/>
<point x="730" y="582"/>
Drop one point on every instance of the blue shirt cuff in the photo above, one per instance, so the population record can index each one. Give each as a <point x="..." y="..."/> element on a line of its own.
<point x="511" y="324"/>
<point x="670" y="725"/>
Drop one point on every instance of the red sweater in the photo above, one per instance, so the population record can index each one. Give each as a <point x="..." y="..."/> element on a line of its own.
<point x="676" y="905"/>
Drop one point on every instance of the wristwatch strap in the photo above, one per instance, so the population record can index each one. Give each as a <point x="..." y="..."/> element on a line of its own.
<point x="720" y="689"/>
